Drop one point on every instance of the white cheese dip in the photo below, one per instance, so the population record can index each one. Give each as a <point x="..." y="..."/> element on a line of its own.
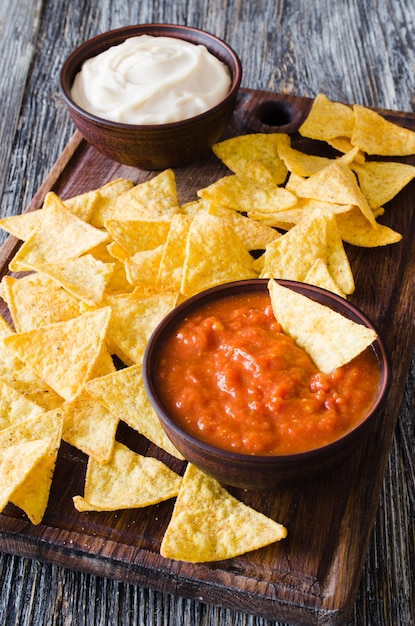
<point x="151" y="80"/>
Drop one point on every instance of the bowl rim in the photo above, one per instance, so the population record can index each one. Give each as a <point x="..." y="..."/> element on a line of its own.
<point x="236" y="73"/>
<point x="322" y="295"/>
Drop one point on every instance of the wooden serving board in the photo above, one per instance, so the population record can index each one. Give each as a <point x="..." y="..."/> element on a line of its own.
<point x="312" y="576"/>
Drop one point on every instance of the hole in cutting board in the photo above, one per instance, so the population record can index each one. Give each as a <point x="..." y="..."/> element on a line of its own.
<point x="276" y="113"/>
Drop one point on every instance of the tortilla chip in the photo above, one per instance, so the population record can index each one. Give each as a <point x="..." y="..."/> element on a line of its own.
<point x="327" y="119"/>
<point x="320" y="276"/>
<point x="22" y="226"/>
<point x="128" y="481"/>
<point x="208" y="524"/>
<point x="376" y="135"/>
<point x="85" y="278"/>
<point x="292" y="255"/>
<point x="237" y="152"/>
<point x="16" y="463"/>
<point x="355" y="229"/>
<point x="64" y="354"/>
<point x="254" y="236"/>
<point x="59" y="237"/>
<point x="330" y="339"/>
<point x="381" y="181"/>
<point x="36" y="300"/>
<point x="138" y="235"/>
<point x="90" y="427"/>
<point x="133" y="319"/>
<point x="153" y="199"/>
<point x="123" y="394"/>
<point x="336" y="183"/>
<point x="15" y="407"/>
<point x="33" y="494"/>
<point x="142" y="267"/>
<point x="242" y="193"/>
<point x="214" y="255"/>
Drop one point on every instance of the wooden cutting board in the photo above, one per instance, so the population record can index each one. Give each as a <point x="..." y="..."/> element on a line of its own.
<point x="312" y="576"/>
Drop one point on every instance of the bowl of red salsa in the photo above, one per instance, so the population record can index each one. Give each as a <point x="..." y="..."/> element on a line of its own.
<point x="243" y="402"/>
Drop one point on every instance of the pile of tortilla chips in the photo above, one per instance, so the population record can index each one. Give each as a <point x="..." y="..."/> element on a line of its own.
<point x="97" y="272"/>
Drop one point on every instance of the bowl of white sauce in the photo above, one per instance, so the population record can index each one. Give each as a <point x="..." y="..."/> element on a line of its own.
<point x="152" y="95"/>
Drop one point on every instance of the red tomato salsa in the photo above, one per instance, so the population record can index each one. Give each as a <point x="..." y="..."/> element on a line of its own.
<point x="232" y="378"/>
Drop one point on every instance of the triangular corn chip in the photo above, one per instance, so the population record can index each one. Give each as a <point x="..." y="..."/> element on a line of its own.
<point x="15" y="407"/>
<point x="16" y="463"/>
<point x="128" y="481"/>
<point x="330" y="339"/>
<point x="133" y="319"/>
<point x="214" y="255"/>
<point x="90" y="427"/>
<point x="336" y="183"/>
<point x="237" y="152"/>
<point x="64" y="354"/>
<point x="85" y="278"/>
<point x="33" y="494"/>
<point x="123" y="394"/>
<point x="208" y="524"/>
<point x="327" y="120"/>
<point x="376" y="135"/>
<point x="59" y="237"/>
<point x="36" y="300"/>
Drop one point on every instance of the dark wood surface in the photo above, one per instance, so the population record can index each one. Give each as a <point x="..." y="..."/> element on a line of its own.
<point x="362" y="52"/>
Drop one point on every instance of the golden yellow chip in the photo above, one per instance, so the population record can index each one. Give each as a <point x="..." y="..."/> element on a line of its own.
<point x="128" y="481"/>
<point x="237" y="152"/>
<point x="354" y="228"/>
<point x="36" y="300"/>
<point x="104" y="205"/>
<point x="83" y="204"/>
<point x="243" y="193"/>
<point x="142" y="267"/>
<point x="214" y="255"/>
<point x="208" y="524"/>
<point x="336" y="183"/>
<point x="303" y="210"/>
<point x="153" y="199"/>
<point x="88" y="205"/>
<point x="16" y="463"/>
<point x="21" y="378"/>
<point x="327" y="120"/>
<point x="118" y="282"/>
<point x="15" y="407"/>
<point x="292" y="255"/>
<point x="22" y="226"/>
<point x="33" y="494"/>
<point x="85" y="278"/>
<point x="123" y="394"/>
<point x="133" y="319"/>
<point x="337" y="260"/>
<point x="330" y="339"/>
<point x="306" y="165"/>
<point x="59" y="237"/>
<point x="380" y="181"/>
<point x="137" y="235"/>
<point x="64" y="354"/>
<point x="90" y="427"/>
<point x="376" y="135"/>
<point x="320" y="276"/>
<point x="254" y="235"/>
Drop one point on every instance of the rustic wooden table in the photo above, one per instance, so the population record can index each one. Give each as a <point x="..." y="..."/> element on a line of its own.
<point x="353" y="51"/>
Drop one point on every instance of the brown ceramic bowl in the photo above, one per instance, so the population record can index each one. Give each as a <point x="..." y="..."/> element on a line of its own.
<point x="261" y="472"/>
<point x="153" y="146"/>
